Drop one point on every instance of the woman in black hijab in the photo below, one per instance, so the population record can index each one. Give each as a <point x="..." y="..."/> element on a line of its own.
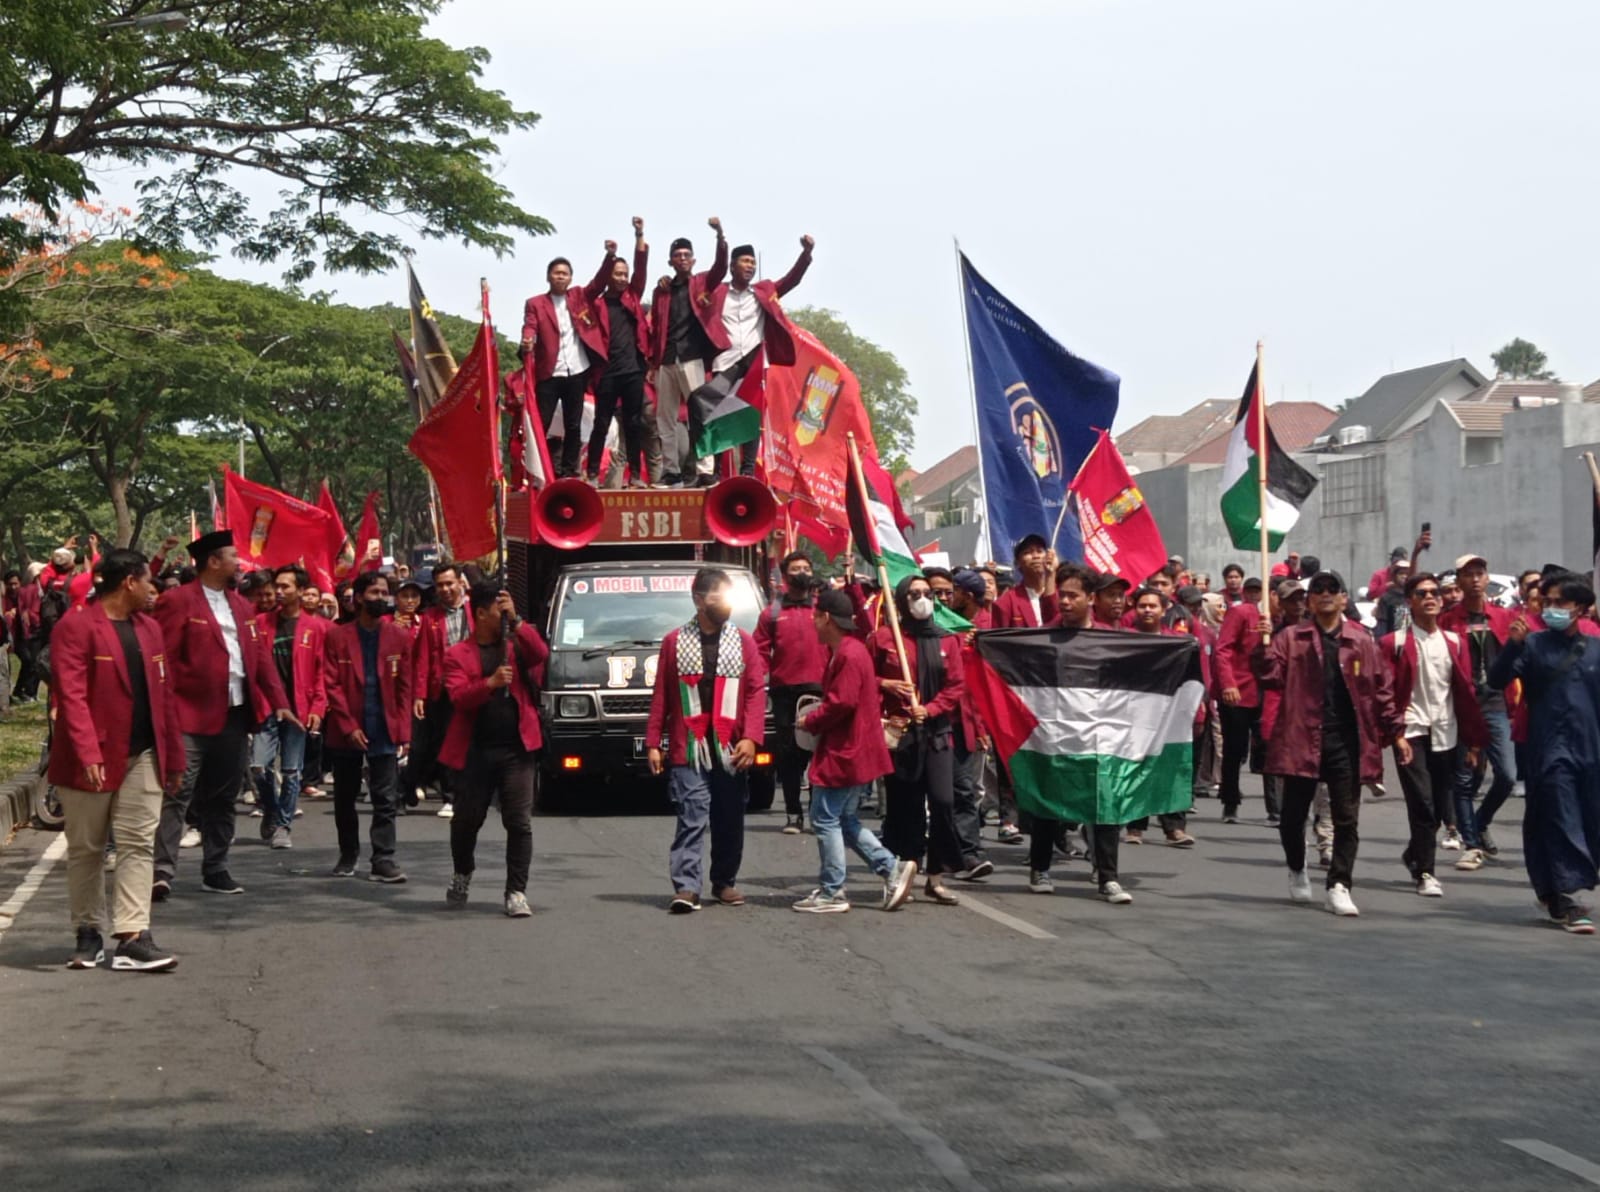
<point x="920" y="817"/>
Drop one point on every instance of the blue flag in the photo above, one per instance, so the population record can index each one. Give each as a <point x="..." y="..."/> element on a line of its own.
<point x="1040" y="410"/>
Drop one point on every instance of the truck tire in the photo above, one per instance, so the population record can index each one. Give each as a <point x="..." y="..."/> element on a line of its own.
<point x="763" y="789"/>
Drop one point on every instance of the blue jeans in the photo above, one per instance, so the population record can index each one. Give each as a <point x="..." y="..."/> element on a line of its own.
<point x="1468" y="778"/>
<point x="711" y="799"/>
<point x="835" y="823"/>
<point x="278" y="740"/>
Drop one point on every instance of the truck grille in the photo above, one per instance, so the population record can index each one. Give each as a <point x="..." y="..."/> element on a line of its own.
<point x="624" y="705"/>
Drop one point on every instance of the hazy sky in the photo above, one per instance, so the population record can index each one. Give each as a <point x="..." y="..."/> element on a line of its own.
<point x="1362" y="185"/>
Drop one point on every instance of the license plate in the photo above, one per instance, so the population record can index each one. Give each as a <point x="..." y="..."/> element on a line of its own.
<point x="639" y="747"/>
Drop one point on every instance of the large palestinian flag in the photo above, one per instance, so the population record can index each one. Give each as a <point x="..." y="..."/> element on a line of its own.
<point x="1095" y="725"/>
<point x="1288" y="484"/>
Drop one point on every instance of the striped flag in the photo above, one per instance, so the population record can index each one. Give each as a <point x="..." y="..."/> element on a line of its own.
<point x="1095" y="726"/>
<point x="1288" y="484"/>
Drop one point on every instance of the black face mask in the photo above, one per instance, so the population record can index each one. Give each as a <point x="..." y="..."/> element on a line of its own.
<point x="377" y="608"/>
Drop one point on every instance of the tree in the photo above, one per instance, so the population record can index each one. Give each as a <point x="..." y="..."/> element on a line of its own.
<point x="345" y="103"/>
<point x="1522" y="361"/>
<point x="884" y="383"/>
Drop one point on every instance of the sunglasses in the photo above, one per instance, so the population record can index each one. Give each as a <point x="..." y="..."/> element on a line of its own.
<point x="1426" y="593"/>
<point x="1325" y="588"/>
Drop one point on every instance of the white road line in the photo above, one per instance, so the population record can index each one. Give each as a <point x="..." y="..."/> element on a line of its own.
<point x="31" y="883"/>
<point x="1557" y="1157"/>
<point x="945" y="1161"/>
<point x="1137" y="1122"/>
<point x="1011" y="921"/>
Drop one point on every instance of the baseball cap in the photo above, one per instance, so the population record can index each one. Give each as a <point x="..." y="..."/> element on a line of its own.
<point x="1108" y="580"/>
<point x="1189" y="595"/>
<point x="1469" y="560"/>
<point x="1331" y="581"/>
<point x="1028" y="540"/>
<point x="838" y="606"/>
<point x="1290" y="587"/>
<point x="1251" y="581"/>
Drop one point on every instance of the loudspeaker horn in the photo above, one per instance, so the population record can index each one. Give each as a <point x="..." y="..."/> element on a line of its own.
<point x="740" y="511"/>
<point x="567" y="514"/>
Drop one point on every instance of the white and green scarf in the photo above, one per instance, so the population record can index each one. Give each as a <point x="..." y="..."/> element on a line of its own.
<point x="711" y="733"/>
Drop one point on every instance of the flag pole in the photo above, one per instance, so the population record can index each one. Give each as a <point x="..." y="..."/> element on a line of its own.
<point x="987" y="541"/>
<point x="1262" y="452"/>
<point x="1066" y="493"/>
<point x="886" y="598"/>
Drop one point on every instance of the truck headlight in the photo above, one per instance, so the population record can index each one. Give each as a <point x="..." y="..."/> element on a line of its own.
<point x="574" y="707"/>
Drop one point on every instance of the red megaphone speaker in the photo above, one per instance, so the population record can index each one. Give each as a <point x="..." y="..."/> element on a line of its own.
<point x="567" y="514"/>
<point x="740" y="511"/>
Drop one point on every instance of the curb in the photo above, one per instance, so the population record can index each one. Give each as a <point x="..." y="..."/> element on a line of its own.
<point x="16" y="804"/>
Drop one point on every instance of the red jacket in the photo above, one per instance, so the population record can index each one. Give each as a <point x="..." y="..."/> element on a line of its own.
<point x="94" y="700"/>
<point x="469" y="691"/>
<point x="887" y="665"/>
<point x="197" y="656"/>
<point x="595" y="292"/>
<point x="25" y="623"/>
<point x="1013" y="610"/>
<point x="1231" y="659"/>
<point x="427" y="652"/>
<point x="1402" y="662"/>
<point x="666" y="709"/>
<point x="1455" y="620"/>
<point x="971" y="725"/>
<point x="539" y="324"/>
<point x="1293" y="666"/>
<point x="777" y="333"/>
<point x="347" y="678"/>
<point x="850" y="749"/>
<point x="700" y="287"/>
<point x="307" y="661"/>
<point x="786" y="635"/>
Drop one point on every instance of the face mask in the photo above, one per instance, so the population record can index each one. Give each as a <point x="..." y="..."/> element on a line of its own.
<point x="921" y="608"/>
<point x="1559" y="619"/>
<point x="376" y="608"/>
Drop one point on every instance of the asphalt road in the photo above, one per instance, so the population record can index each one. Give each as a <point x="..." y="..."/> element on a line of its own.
<point x="326" y="1033"/>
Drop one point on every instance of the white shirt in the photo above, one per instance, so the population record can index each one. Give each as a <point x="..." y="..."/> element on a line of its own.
<point x="223" y="612"/>
<point x="1432" y="710"/>
<point x="745" y="322"/>
<point x="571" y="360"/>
<point x="1033" y="599"/>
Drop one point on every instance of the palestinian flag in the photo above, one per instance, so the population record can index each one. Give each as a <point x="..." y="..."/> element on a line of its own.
<point x="872" y="506"/>
<point x="722" y="413"/>
<point x="1288" y="484"/>
<point x="1096" y="726"/>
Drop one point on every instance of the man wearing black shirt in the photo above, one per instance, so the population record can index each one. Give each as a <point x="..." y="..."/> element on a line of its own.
<point x="682" y="348"/>
<point x="621" y="380"/>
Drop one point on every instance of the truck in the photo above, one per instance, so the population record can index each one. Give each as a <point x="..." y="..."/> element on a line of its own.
<point x="604" y="608"/>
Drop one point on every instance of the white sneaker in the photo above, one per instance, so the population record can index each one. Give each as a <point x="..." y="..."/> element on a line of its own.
<point x="1428" y="886"/>
<point x="897" y="886"/>
<point x="1452" y="839"/>
<point x="1471" y="859"/>
<point x="447" y="811"/>
<point x="191" y="838"/>
<point x="1039" y="881"/>
<point x="1340" y="902"/>
<point x="1519" y="790"/>
<point x="818" y="903"/>
<point x="1113" y="893"/>
<point x="1299" y="886"/>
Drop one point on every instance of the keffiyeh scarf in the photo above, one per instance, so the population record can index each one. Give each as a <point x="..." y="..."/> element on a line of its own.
<point x="712" y="731"/>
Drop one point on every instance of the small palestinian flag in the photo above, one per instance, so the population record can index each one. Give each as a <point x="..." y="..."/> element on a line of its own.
<point x="721" y="413"/>
<point x="1096" y="726"/>
<point x="1288" y="484"/>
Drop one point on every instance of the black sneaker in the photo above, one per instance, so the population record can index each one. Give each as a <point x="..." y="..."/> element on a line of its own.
<point x="220" y="883"/>
<point x="160" y="890"/>
<point x="141" y="955"/>
<point x="386" y="871"/>
<point x="345" y="867"/>
<point x="456" y="896"/>
<point x="91" y="949"/>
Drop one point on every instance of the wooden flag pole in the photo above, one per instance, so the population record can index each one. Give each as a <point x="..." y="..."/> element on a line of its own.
<point x="1261" y="476"/>
<point x="1594" y="473"/>
<point x="886" y="599"/>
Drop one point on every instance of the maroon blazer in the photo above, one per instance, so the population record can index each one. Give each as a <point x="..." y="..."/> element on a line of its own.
<point x="666" y="710"/>
<point x="197" y="656"/>
<point x="1402" y="662"/>
<point x="786" y="635"/>
<point x="539" y="324"/>
<point x="1013" y="610"/>
<point x="700" y="287"/>
<point x="1292" y="665"/>
<point x="1230" y="661"/>
<point x="307" y="661"/>
<point x="94" y="700"/>
<point x="346" y="683"/>
<point x="427" y="652"/>
<point x="26" y="623"/>
<point x="1455" y="620"/>
<point x="850" y="749"/>
<point x="595" y="292"/>
<point x="469" y="690"/>
<point x="777" y="333"/>
<point x="887" y="664"/>
<point x="971" y="726"/>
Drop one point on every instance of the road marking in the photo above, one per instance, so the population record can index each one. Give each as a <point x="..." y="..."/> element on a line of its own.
<point x="31" y="883"/>
<point x="1137" y="1122"/>
<point x="1005" y="920"/>
<point x="1557" y="1157"/>
<point x="945" y="1161"/>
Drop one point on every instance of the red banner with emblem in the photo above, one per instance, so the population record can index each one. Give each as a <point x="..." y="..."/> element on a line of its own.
<point x="1120" y="535"/>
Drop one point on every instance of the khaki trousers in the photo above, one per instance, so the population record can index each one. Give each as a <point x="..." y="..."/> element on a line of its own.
<point x="674" y="384"/>
<point x="132" y="811"/>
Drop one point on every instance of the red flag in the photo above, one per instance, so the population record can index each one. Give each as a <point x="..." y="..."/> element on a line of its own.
<point x="459" y="444"/>
<point x="272" y="528"/>
<point x="341" y="553"/>
<point x="1120" y="535"/>
<point x="530" y="453"/>
<point x="369" y="539"/>
<point x="832" y="539"/>
<point x="219" y="520"/>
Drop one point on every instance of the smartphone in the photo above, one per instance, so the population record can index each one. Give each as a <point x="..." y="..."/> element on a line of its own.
<point x="1427" y="527"/>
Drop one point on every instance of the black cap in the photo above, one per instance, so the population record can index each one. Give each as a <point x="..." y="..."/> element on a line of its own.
<point x="1189" y="594"/>
<point x="1323" y="579"/>
<point x="207" y="544"/>
<point x="838" y="606"/>
<point x="743" y="250"/>
<point x="1109" y="579"/>
<point x="681" y="242"/>
<point x="1028" y="540"/>
<point x="1251" y="581"/>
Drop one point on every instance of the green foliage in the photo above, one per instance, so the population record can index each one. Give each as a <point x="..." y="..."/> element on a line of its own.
<point x="1522" y="361"/>
<point x="884" y="384"/>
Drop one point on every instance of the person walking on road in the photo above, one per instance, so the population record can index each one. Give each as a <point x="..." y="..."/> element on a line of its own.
<point x="708" y="708"/>
<point x="299" y="649"/>
<point x="850" y="757"/>
<point x="117" y="745"/>
<point x="494" y="682"/>
<point x="794" y="659"/>
<point x="447" y="623"/>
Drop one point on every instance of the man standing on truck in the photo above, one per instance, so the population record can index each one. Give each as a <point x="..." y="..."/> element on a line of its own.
<point x="709" y="706"/>
<point x="794" y="659"/>
<point x="681" y="345"/>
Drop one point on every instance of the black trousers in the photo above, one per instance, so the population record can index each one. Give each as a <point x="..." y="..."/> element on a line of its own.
<point x="214" y="772"/>
<point x="1429" y="787"/>
<point x="427" y="738"/>
<point x="969" y="822"/>
<point x="920" y="816"/>
<point x="382" y="790"/>
<point x="1238" y="722"/>
<point x="747" y="456"/>
<point x="628" y="393"/>
<point x="1341" y="770"/>
<point x="792" y="760"/>
<point x="566" y="392"/>
<point x="508" y="773"/>
<point x="1104" y="845"/>
<point x="27" y="686"/>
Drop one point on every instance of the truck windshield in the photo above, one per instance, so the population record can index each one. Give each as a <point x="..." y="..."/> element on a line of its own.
<point x="600" y="609"/>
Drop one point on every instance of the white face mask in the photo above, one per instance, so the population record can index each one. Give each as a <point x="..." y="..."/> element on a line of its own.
<point x="921" y="608"/>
